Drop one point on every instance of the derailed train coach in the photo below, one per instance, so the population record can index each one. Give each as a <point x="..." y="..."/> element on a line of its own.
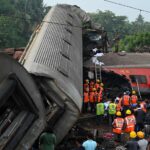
<point x="48" y="92"/>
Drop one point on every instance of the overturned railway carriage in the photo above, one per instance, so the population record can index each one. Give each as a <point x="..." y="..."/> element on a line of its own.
<point x="55" y="58"/>
<point x="52" y="95"/>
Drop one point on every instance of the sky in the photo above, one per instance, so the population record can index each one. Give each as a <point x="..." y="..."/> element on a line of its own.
<point x="95" y="5"/>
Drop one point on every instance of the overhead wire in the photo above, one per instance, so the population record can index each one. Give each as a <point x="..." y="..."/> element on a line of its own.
<point x="139" y="9"/>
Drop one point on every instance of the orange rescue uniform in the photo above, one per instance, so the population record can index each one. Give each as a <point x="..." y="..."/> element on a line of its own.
<point x="86" y="97"/>
<point x="85" y="86"/>
<point x="130" y="123"/>
<point x="118" y="125"/>
<point x="126" y="100"/>
<point x="91" y="86"/>
<point x="97" y="85"/>
<point x="134" y="99"/>
<point x="91" y="98"/>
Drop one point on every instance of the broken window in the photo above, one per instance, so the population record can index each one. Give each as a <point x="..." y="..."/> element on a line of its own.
<point x="141" y="79"/>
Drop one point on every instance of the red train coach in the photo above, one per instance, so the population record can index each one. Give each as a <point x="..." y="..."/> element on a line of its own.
<point x="135" y="66"/>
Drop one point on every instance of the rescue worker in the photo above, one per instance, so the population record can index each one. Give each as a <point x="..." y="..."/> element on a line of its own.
<point x="102" y="85"/>
<point x="91" y="86"/>
<point x="132" y="144"/>
<point x="125" y="103"/>
<point x="118" y="125"/>
<point x="129" y="122"/>
<point x="95" y="98"/>
<point x="97" y="84"/>
<point x="118" y="104"/>
<point x="86" y="85"/>
<point x="111" y="111"/>
<point x="106" y="104"/>
<point x="143" y="143"/>
<point x="133" y="99"/>
<point x="140" y="117"/>
<point x="91" y="98"/>
<point x="99" y="95"/>
<point x="86" y="100"/>
<point x="100" y="109"/>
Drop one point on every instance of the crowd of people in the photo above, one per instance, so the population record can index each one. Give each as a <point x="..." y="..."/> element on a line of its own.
<point x="125" y="114"/>
<point x="93" y="92"/>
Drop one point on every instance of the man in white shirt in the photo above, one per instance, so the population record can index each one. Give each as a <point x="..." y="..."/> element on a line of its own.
<point x="142" y="142"/>
<point x="89" y="144"/>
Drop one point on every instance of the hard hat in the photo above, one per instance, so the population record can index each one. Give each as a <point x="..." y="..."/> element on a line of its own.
<point x="98" y="81"/>
<point x="140" y="134"/>
<point x="124" y="93"/>
<point x="133" y="92"/>
<point x="128" y="112"/>
<point x="102" y="84"/>
<point x="94" y="89"/>
<point x="118" y="113"/>
<point x="133" y="134"/>
<point x="86" y="81"/>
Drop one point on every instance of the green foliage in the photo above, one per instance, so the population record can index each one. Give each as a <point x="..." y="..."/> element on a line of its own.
<point x="129" y="32"/>
<point x="18" y="19"/>
<point x="111" y="22"/>
<point x="136" y="41"/>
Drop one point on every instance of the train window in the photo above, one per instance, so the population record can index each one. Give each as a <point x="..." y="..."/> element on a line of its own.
<point x="68" y="30"/>
<point x="69" y="23"/>
<point x="70" y="15"/>
<point x="138" y="78"/>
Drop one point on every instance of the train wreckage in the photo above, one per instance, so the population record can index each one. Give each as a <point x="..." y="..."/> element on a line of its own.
<point x="45" y="88"/>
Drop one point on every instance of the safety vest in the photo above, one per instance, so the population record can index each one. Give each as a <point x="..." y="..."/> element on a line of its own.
<point x="100" y="109"/>
<point x="126" y="100"/>
<point x="112" y="108"/>
<point x="91" y="97"/>
<point x="86" y="85"/>
<point x="99" y="96"/>
<point x="143" y="106"/>
<point x="97" y="85"/>
<point x="86" y="97"/>
<point x="118" y="125"/>
<point x="91" y="86"/>
<point x="95" y="96"/>
<point x="134" y="99"/>
<point x="130" y="123"/>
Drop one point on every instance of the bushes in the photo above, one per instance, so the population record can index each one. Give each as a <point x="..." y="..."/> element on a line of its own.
<point x="133" y="42"/>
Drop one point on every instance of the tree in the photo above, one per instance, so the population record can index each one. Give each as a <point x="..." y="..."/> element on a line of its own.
<point x="135" y="42"/>
<point x="18" y="20"/>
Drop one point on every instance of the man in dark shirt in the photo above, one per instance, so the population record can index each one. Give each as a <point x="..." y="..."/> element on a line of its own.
<point x="132" y="144"/>
<point x="140" y="116"/>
